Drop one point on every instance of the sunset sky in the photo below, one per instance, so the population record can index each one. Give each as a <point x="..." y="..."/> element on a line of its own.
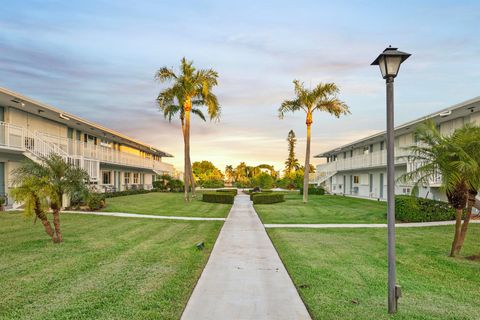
<point x="97" y="59"/>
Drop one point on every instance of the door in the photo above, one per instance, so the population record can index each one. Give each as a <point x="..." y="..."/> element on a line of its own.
<point x="351" y="184"/>
<point x="370" y="182"/>
<point x="381" y="185"/>
<point x="344" y="184"/>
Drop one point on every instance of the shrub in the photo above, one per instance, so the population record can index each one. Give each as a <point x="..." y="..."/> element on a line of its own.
<point x="317" y="191"/>
<point x="234" y="191"/>
<point x="212" y="183"/>
<point x="95" y="201"/>
<point x="263" y="180"/>
<point x="218" y="197"/>
<point x="412" y="209"/>
<point x="125" y="193"/>
<point x="267" y="198"/>
<point x="176" y="185"/>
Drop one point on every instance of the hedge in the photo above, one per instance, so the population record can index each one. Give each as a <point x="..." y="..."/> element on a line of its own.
<point x="219" y="197"/>
<point x="266" y="198"/>
<point x="412" y="209"/>
<point x="318" y="191"/>
<point x="125" y="193"/>
<point x="233" y="191"/>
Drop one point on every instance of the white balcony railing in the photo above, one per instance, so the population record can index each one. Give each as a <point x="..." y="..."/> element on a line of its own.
<point x="85" y="155"/>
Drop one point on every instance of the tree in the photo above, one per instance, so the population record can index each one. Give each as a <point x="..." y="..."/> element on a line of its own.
<point x="50" y="178"/>
<point x="263" y="181"/>
<point x="457" y="158"/>
<point x="322" y="98"/>
<point x="190" y="88"/>
<point x="207" y="174"/>
<point x="291" y="164"/>
<point x="230" y="173"/>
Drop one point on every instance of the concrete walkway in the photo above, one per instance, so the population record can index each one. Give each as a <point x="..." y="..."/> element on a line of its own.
<point x="366" y="225"/>
<point x="148" y="216"/>
<point x="244" y="277"/>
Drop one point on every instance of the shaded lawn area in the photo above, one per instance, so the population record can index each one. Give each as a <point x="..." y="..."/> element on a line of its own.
<point x="107" y="268"/>
<point x="323" y="209"/>
<point x="342" y="273"/>
<point x="167" y="204"/>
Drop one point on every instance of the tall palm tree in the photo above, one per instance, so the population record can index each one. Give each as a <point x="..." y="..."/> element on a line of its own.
<point x="50" y="178"/>
<point x="189" y="89"/>
<point x="321" y="98"/>
<point x="457" y="158"/>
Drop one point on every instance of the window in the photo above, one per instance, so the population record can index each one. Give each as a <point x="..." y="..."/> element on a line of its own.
<point x="127" y="177"/>
<point x="371" y="148"/>
<point x="382" y="145"/>
<point x="135" y="178"/>
<point x="356" y="179"/>
<point x="365" y="150"/>
<point x="106" y="177"/>
<point x="351" y="153"/>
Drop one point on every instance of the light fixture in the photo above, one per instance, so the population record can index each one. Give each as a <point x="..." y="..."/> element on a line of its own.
<point x="445" y="113"/>
<point x="389" y="61"/>
<point x="64" y="116"/>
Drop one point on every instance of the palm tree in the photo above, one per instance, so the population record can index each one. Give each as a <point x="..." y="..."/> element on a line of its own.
<point x="322" y="98"/>
<point x="31" y="192"/>
<point x="50" y="178"/>
<point x="291" y="164"/>
<point x="190" y="88"/>
<point x="230" y="173"/>
<point x="457" y="158"/>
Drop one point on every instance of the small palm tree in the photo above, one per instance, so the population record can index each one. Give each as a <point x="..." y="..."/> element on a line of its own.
<point x="190" y="88"/>
<point x="457" y="158"/>
<point x="321" y="98"/>
<point x="30" y="191"/>
<point x="50" y="178"/>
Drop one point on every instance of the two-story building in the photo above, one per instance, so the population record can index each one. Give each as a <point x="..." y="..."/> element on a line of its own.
<point x="31" y="129"/>
<point x="359" y="168"/>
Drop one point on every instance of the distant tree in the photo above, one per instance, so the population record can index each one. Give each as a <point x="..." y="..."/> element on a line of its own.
<point x="322" y="98"/>
<point x="230" y="173"/>
<point x="207" y="174"/>
<point x="291" y="164"/>
<point x="190" y="88"/>
<point x="263" y="180"/>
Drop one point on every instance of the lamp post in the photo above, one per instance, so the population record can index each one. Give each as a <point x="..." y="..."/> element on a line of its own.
<point x="389" y="62"/>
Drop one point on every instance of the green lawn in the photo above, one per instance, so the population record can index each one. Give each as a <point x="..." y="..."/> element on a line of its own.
<point x="107" y="268"/>
<point x="342" y="273"/>
<point x="323" y="209"/>
<point x="167" y="204"/>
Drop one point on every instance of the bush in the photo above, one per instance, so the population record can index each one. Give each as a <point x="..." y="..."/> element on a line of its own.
<point x="412" y="209"/>
<point x="234" y="191"/>
<point x="267" y="198"/>
<point x="95" y="201"/>
<point x="263" y="180"/>
<point x="219" y="197"/>
<point x="212" y="183"/>
<point x="125" y="193"/>
<point x="318" y="191"/>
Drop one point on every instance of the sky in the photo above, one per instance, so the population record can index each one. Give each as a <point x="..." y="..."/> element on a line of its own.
<point x="97" y="59"/>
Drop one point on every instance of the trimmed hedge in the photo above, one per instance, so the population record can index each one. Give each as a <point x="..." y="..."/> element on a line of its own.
<point x="318" y="191"/>
<point x="233" y="191"/>
<point x="219" y="197"/>
<point x="267" y="197"/>
<point x="412" y="209"/>
<point x="125" y="193"/>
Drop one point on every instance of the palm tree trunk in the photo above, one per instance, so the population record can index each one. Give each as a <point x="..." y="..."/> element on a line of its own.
<point x="56" y="224"/>
<point x="188" y="167"/>
<point x="306" y="170"/>
<point x="463" y="232"/>
<point x="43" y="217"/>
<point x="458" y="226"/>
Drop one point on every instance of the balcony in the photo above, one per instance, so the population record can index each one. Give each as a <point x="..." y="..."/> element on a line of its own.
<point x="364" y="161"/>
<point x="83" y="154"/>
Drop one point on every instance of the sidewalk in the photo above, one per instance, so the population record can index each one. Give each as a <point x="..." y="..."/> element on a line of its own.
<point x="364" y="225"/>
<point x="244" y="277"/>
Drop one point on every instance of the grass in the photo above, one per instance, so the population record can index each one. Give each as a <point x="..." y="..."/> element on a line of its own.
<point x="323" y="209"/>
<point x="107" y="268"/>
<point x="167" y="204"/>
<point x="342" y="273"/>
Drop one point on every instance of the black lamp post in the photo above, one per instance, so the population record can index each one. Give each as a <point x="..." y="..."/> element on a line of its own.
<point x="389" y="61"/>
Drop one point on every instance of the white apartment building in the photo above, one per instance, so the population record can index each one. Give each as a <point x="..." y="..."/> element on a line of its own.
<point x="359" y="168"/>
<point x="31" y="129"/>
